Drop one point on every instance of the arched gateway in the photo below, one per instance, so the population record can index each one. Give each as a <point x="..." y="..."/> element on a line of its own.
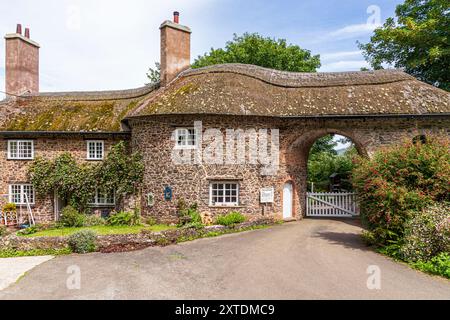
<point x="227" y="137"/>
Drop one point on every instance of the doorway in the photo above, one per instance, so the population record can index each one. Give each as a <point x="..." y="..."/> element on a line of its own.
<point x="59" y="204"/>
<point x="287" y="200"/>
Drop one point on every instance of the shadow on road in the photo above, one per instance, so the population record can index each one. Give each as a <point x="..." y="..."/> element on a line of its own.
<point x="350" y="221"/>
<point x="348" y="240"/>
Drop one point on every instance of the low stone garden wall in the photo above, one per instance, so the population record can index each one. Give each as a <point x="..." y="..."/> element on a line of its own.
<point x="127" y="242"/>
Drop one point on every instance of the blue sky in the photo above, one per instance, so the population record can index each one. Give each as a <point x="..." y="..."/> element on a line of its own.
<point x="109" y="44"/>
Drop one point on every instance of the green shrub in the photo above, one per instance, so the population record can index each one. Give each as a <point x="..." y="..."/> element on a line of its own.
<point x="3" y="231"/>
<point x="29" y="230"/>
<point x="83" y="241"/>
<point x="70" y="217"/>
<point x="439" y="265"/>
<point x="9" y="207"/>
<point x="189" y="216"/>
<point x="151" y="221"/>
<point x="230" y="219"/>
<point x="123" y="218"/>
<point x="399" y="180"/>
<point x="369" y="238"/>
<point x="427" y="234"/>
<point x="195" y="220"/>
<point x="92" y="220"/>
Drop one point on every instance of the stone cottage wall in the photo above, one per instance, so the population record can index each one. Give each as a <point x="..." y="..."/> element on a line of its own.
<point x="15" y="171"/>
<point x="152" y="137"/>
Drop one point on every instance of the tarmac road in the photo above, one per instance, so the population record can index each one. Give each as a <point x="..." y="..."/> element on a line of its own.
<point x="310" y="259"/>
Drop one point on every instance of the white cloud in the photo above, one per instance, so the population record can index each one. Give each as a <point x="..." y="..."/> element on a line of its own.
<point x="340" y="55"/>
<point x="349" y="65"/>
<point x="343" y="61"/>
<point x="96" y="45"/>
<point x="353" y="30"/>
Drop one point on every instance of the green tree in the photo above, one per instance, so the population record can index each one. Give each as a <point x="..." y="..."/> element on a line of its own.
<point x="252" y="48"/>
<point x="325" y="144"/>
<point x="322" y="165"/>
<point x="324" y="160"/>
<point x="418" y="40"/>
<point x="154" y="75"/>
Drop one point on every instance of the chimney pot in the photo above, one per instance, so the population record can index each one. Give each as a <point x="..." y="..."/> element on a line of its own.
<point x="175" y="49"/>
<point x="21" y="64"/>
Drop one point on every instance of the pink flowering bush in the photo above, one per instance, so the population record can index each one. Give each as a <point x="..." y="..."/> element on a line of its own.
<point x="398" y="181"/>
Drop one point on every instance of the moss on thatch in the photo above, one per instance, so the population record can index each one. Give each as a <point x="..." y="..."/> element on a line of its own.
<point x="49" y="115"/>
<point x="250" y="90"/>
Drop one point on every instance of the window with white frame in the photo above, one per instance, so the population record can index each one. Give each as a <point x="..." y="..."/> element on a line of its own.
<point x="186" y="138"/>
<point x="95" y="150"/>
<point x="21" y="194"/>
<point x="20" y="149"/>
<point x="224" y="193"/>
<point x="103" y="199"/>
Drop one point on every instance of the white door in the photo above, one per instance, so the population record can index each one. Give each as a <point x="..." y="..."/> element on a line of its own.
<point x="287" y="200"/>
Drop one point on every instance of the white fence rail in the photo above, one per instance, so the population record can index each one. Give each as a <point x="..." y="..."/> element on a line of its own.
<point x="331" y="204"/>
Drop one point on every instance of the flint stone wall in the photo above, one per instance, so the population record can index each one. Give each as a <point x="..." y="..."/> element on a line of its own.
<point x="153" y="138"/>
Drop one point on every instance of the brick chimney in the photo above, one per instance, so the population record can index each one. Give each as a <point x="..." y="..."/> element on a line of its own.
<point x="175" y="49"/>
<point x="21" y="63"/>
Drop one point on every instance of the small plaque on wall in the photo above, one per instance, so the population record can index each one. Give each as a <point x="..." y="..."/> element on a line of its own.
<point x="267" y="195"/>
<point x="168" y="193"/>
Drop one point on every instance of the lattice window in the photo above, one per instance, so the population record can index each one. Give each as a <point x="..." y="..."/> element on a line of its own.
<point x="20" y="193"/>
<point x="186" y="138"/>
<point x="95" y="150"/>
<point x="103" y="199"/>
<point x="21" y="149"/>
<point x="224" y="193"/>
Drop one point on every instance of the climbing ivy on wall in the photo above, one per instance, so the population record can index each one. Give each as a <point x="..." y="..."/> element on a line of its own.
<point x="77" y="183"/>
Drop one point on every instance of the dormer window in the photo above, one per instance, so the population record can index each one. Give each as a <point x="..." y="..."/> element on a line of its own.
<point x="95" y="150"/>
<point x="21" y="149"/>
<point x="186" y="138"/>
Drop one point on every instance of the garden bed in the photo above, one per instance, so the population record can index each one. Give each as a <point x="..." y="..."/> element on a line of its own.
<point x="120" y="242"/>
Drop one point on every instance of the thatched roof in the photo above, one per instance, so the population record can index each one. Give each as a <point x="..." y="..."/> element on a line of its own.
<point x="231" y="89"/>
<point x="236" y="89"/>
<point x="71" y="111"/>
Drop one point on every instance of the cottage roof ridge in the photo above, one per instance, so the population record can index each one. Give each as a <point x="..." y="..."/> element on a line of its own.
<point x="305" y="79"/>
<point x="90" y="95"/>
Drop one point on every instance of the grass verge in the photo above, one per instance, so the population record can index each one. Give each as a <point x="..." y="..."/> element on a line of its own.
<point x="213" y="234"/>
<point x="100" y="230"/>
<point x="437" y="266"/>
<point x="9" y="253"/>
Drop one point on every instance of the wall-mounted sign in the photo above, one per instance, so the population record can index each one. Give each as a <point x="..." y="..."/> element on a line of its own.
<point x="150" y="199"/>
<point x="267" y="195"/>
<point x="168" y="194"/>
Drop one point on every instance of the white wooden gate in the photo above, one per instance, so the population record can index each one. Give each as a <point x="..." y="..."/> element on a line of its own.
<point x="331" y="204"/>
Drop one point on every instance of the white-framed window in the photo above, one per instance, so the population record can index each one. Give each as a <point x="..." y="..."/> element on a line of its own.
<point x="224" y="193"/>
<point x="95" y="149"/>
<point x="20" y="193"/>
<point x="186" y="138"/>
<point x="102" y="199"/>
<point x="21" y="149"/>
